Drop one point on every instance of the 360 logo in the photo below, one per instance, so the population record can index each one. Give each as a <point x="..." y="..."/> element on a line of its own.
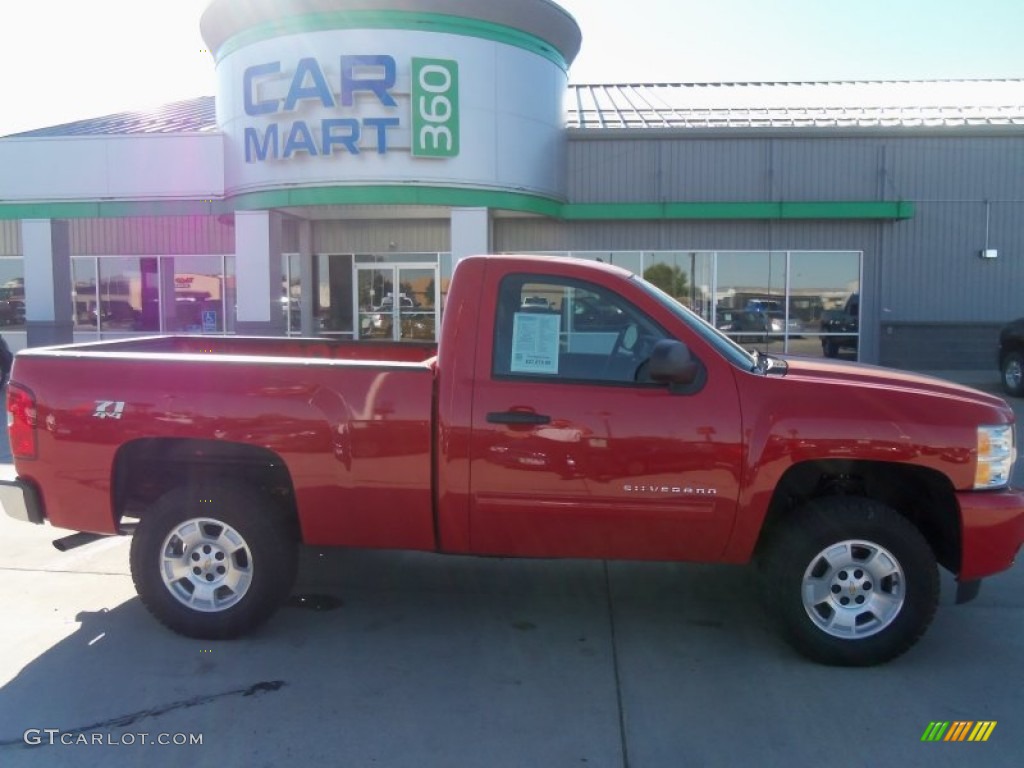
<point x="959" y="730"/>
<point x="435" y="108"/>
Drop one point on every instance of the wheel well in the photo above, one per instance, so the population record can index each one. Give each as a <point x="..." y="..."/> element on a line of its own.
<point x="925" y="497"/>
<point x="144" y="470"/>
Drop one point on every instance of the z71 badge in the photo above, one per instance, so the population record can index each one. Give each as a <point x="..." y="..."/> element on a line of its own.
<point x="109" y="409"/>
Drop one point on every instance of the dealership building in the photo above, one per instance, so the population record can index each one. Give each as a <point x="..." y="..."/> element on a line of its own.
<point x="356" y="150"/>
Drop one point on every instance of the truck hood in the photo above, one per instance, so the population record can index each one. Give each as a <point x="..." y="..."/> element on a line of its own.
<point x="826" y="371"/>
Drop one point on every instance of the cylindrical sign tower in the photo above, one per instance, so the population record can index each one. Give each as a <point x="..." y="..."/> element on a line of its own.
<point x="440" y="95"/>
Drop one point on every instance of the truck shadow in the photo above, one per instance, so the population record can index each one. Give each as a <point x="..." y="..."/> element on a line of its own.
<point x="407" y="648"/>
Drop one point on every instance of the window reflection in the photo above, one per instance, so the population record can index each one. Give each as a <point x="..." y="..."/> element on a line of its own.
<point x="149" y="294"/>
<point x="124" y="286"/>
<point x="198" y="295"/>
<point x="686" y="276"/>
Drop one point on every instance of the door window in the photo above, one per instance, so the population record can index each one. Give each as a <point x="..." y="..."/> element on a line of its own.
<point x="556" y="329"/>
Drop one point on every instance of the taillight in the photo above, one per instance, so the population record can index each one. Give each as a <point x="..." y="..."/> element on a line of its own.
<point x="22" y="418"/>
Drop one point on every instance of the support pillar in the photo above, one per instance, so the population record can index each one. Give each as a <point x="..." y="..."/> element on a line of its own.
<point x="46" y="247"/>
<point x="471" y="232"/>
<point x="258" y="274"/>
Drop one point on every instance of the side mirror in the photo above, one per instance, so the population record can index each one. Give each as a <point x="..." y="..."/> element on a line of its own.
<point x="671" y="363"/>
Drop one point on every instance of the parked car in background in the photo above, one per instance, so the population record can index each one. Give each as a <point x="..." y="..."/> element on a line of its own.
<point x="841" y="325"/>
<point x="747" y="326"/>
<point x="1011" y="357"/>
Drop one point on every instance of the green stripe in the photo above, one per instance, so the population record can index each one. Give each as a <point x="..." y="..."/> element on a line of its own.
<point x="455" y="197"/>
<point x="114" y="209"/>
<point x="399" y="195"/>
<point x="408" y="20"/>
<point x="935" y="731"/>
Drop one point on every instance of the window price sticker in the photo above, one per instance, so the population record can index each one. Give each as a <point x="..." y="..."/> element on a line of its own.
<point x="535" y="343"/>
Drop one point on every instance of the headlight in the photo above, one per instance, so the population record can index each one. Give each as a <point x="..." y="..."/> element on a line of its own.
<point x="996" y="454"/>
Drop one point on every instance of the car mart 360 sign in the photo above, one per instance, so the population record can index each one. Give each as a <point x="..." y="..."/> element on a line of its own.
<point x="360" y="110"/>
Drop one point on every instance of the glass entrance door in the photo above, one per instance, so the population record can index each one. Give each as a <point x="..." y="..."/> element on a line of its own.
<point x="396" y="302"/>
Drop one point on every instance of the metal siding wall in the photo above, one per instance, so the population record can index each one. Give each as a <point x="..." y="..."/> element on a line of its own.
<point x="956" y="168"/>
<point x="642" y="171"/>
<point x="708" y="169"/>
<point x="741" y="169"/>
<point x="10" y="237"/>
<point x="152" y="235"/>
<point x="805" y="168"/>
<point x="934" y="272"/>
<point x="357" y="236"/>
<point x="825" y="169"/>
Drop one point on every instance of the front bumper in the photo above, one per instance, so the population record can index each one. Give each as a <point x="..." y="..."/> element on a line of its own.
<point x="21" y="501"/>
<point x="992" y="531"/>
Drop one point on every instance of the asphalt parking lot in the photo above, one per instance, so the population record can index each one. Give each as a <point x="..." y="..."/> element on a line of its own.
<point x="398" y="659"/>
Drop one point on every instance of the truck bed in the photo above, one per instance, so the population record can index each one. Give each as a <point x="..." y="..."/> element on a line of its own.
<point x="347" y="426"/>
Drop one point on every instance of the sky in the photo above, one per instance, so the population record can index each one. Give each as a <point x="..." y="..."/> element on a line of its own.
<point x="65" y="60"/>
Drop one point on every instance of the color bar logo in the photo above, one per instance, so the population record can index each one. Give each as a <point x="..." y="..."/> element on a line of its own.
<point x="959" y="730"/>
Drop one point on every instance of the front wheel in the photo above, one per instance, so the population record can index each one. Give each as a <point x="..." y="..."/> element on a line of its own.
<point x="213" y="563"/>
<point x="850" y="581"/>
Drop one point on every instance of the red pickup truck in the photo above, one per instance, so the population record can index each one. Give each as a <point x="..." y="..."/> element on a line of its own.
<point x="570" y="409"/>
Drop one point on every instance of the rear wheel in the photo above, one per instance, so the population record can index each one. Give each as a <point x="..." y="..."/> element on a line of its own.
<point x="1013" y="374"/>
<point x="850" y="581"/>
<point x="213" y="563"/>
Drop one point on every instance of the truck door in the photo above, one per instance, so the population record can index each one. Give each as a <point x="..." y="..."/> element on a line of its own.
<point x="574" y="453"/>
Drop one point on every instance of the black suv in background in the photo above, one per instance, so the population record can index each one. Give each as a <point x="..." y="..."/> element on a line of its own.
<point x="1011" y="357"/>
<point x="843" y="321"/>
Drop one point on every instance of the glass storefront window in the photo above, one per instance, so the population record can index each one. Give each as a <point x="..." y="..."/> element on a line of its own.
<point x="128" y="295"/>
<point x="198" y="294"/>
<point x="151" y="294"/>
<point x="291" y="293"/>
<point x="685" y="275"/>
<point x="785" y="302"/>
<point x="751" y="298"/>
<point x="825" y="297"/>
<point x="83" y="294"/>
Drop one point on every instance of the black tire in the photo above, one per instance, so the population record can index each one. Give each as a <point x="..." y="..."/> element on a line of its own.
<point x="850" y="581"/>
<point x="213" y="563"/>
<point x="830" y="348"/>
<point x="1012" y="370"/>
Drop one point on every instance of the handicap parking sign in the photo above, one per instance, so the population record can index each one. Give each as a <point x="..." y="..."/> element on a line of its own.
<point x="209" y="320"/>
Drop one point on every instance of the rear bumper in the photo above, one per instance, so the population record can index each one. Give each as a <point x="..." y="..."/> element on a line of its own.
<point x="992" y="531"/>
<point x="21" y="501"/>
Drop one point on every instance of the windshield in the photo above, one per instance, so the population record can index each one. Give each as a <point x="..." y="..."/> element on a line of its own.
<point x="729" y="349"/>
